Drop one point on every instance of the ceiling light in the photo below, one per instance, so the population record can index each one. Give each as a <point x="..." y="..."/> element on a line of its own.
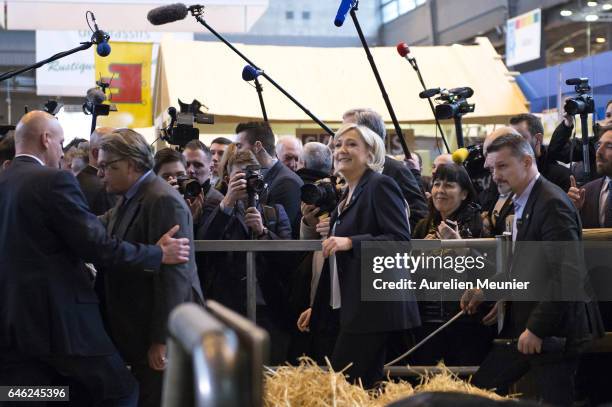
<point x="591" y="17"/>
<point x="568" y="50"/>
<point x="600" y="40"/>
<point x="607" y="7"/>
<point x="592" y="3"/>
<point x="566" y="13"/>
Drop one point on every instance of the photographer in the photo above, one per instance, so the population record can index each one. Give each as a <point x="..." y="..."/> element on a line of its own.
<point x="561" y="146"/>
<point x="201" y="199"/>
<point x="283" y="184"/>
<point x="235" y="219"/>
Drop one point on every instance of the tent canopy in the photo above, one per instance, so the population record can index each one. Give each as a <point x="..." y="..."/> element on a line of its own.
<point x="328" y="81"/>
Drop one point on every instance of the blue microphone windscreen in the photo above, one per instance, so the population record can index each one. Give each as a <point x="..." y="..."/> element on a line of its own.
<point x="249" y="73"/>
<point x="345" y="6"/>
<point x="103" y="49"/>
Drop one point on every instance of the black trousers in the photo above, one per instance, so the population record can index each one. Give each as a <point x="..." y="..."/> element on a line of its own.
<point x="367" y="353"/>
<point x="553" y="373"/>
<point x="150" y="383"/>
<point x="92" y="380"/>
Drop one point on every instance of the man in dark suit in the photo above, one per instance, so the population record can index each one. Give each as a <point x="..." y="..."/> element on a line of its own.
<point x="51" y="331"/>
<point x="543" y="213"/>
<point x="530" y="127"/>
<point x="98" y="199"/>
<point x="7" y="151"/>
<point x="594" y="199"/>
<point x="283" y="184"/>
<point x="393" y="168"/>
<point x="138" y="304"/>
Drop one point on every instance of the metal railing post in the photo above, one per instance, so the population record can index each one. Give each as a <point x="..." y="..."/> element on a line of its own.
<point x="251" y="274"/>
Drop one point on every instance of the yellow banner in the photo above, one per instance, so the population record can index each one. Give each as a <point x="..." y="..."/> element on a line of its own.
<point x="128" y="69"/>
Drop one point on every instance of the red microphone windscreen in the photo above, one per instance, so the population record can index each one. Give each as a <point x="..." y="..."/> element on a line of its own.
<point x="402" y="49"/>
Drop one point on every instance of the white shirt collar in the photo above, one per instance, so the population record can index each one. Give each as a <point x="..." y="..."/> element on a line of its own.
<point x="31" y="156"/>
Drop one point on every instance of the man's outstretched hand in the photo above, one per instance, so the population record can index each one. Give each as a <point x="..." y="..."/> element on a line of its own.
<point x="174" y="251"/>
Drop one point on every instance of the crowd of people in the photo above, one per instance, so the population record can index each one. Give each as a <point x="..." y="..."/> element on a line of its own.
<point x="96" y="249"/>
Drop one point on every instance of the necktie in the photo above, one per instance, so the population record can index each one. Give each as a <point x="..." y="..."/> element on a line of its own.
<point x="608" y="216"/>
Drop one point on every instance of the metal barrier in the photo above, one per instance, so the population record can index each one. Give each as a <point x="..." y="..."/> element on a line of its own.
<point x="502" y="244"/>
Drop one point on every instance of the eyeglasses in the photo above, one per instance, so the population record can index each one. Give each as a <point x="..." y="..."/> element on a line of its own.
<point x="104" y="166"/>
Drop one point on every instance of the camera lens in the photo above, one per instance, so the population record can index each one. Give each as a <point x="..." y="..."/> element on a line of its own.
<point x="311" y="194"/>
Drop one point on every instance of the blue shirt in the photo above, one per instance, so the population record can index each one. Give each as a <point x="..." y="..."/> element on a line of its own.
<point x="520" y="202"/>
<point x="134" y="188"/>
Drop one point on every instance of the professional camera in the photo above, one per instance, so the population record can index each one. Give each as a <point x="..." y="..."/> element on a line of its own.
<point x="583" y="103"/>
<point x="188" y="187"/>
<point x="323" y="194"/>
<point x="454" y="103"/>
<point x="255" y="183"/>
<point x="181" y="129"/>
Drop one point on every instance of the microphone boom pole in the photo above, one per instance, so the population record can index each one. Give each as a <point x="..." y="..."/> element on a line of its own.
<point x="10" y="74"/>
<point x="396" y="125"/>
<point x="197" y="13"/>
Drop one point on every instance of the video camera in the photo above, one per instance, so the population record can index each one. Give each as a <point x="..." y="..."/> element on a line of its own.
<point x="583" y="103"/>
<point x="323" y="194"/>
<point x="181" y="129"/>
<point x="454" y="102"/>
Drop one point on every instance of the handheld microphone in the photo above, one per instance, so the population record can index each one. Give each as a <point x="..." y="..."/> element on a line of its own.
<point x="167" y="14"/>
<point x="95" y="96"/>
<point x="250" y="73"/>
<point x="345" y="6"/>
<point x="428" y="93"/>
<point x="100" y="38"/>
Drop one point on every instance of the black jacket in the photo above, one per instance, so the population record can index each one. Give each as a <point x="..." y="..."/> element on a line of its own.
<point x="138" y="304"/>
<point x="553" y="171"/>
<point x="376" y="213"/>
<point x="225" y="278"/>
<point x="47" y="303"/>
<point x="409" y="187"/>
<point x="284" y="189"/>
<point x="561" y="147"/>
<point x="549" y="216"/>
<point x="98" y="199"/>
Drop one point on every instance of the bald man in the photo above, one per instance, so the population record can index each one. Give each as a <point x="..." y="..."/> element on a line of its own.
<point x="289" y="151"/>
<point x="51" y="331"/>
<point x="98" y="199"/>
<point x="440" y="160"/>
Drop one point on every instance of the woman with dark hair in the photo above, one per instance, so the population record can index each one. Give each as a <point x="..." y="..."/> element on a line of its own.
<point x="453" y="211"/>
<point x="453" y="214"/>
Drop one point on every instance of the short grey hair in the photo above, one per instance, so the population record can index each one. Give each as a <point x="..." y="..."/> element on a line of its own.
<point x="367" y="117"/>
<point x="318" y="157"/>
<point x="374" y="143"/>
<point x="130" y="145"/>
<point x="519" y="147"/>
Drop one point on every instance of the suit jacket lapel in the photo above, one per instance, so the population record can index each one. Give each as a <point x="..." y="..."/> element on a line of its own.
<point x="358" y="190"/>
<point x="126" y="213"/>
<point x="523" y="223"/>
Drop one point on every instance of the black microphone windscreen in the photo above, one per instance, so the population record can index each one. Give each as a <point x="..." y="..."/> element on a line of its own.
<point x="167" y="14"/>
<point x="429" y="93"/>
<point x="96" y="96"/>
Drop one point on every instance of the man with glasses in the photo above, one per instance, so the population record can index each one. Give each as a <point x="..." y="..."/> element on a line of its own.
<point x="137" y="305"/>
<point x="51" y="331"/>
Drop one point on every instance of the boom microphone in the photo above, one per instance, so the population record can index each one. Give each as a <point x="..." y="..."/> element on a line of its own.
<point x="167" y="14"/>
<point x="404" y="50"/>
<point x="95" y="96"/>
<point x="250" y="73"/>
<point x="100" y="38"/>
<point x="345" y="7"/>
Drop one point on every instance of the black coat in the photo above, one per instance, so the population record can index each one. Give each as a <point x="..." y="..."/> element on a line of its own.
<point x="225" y="276"/>
<point x="410" y="188"/>
<point x="376" y="213"/>
<point x="550" y="216"/>
<point x="98" y="199"/>
<point x="553" y="171"/>
<point x="138" y="304"/>
<point x="47" y="303"/>
<point x="562" y="148"/>
<point x="589" y="213"/>
<point x="284" y="189"/>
